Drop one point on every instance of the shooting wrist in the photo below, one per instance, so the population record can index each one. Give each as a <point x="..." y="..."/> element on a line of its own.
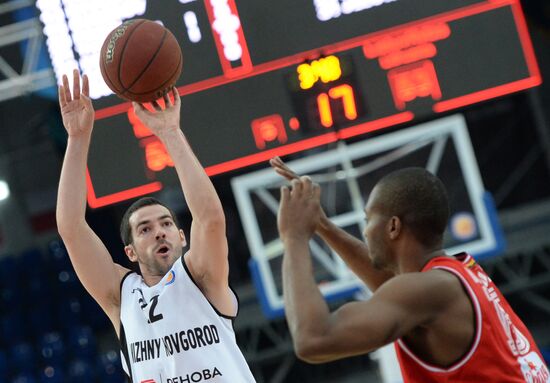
<point x="170" y="134"/>
<point x="82" y="137"/>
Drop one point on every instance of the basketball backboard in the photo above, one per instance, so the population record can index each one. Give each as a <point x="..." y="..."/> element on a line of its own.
<point x="347" y="174"/>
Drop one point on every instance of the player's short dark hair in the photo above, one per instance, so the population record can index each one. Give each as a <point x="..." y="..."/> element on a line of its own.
<point x="419" y="199"/>
<point x="126" y="229"/>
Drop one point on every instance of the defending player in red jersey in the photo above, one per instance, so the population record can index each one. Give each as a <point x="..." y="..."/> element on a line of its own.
<point x="448" y="320"/>
<point x="502" y="349"/>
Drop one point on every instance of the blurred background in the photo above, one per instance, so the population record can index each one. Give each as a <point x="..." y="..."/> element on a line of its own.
<point x="377" y="69"/>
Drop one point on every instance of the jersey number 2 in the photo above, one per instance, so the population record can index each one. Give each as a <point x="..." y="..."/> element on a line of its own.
<point x="152" y="316"/>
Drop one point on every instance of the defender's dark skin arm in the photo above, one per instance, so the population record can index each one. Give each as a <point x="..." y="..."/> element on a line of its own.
<point x="433" y="302"/>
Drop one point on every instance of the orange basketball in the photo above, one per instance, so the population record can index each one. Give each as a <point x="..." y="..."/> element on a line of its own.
<point x="140" y="60"/>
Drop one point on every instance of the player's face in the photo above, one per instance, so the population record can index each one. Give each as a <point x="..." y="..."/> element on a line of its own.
<point x="375" y="233"/>
<point x="157" y="242"/>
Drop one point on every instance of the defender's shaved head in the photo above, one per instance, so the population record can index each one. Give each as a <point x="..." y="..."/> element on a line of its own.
<point x="419" y="199"/>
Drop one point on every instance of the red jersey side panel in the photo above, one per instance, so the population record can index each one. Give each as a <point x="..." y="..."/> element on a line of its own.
<point x="502" y="350"/>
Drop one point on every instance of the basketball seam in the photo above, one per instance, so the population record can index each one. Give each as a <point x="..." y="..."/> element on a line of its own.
<point x="160" y="87"/>
<point x="108" y="78"/>
<point x="124" y="89"/>
<point x="150" y="60"/>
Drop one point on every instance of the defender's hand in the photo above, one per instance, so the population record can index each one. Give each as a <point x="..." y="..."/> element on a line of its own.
<point x="299" y="209"/>
<point x="282" y="169"/>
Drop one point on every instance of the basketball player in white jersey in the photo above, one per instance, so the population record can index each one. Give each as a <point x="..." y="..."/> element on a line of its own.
<point x="174" y="321"/>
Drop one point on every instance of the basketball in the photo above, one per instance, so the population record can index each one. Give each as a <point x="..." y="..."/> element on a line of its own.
<point x="140" y="60"/>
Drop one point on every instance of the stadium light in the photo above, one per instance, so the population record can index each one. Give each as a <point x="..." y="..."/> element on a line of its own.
<point x="4" y="190"/>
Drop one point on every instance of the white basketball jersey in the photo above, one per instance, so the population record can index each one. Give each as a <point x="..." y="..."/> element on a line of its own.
<point x="170" y="333"/>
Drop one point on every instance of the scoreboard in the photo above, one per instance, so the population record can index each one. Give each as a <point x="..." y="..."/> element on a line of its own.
<point x="264" y="78"/>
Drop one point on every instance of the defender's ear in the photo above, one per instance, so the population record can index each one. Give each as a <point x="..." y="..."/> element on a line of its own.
<point x="394" y="227"/>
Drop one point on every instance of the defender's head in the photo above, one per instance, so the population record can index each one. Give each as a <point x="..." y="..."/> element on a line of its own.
<point x="410" y="204"/>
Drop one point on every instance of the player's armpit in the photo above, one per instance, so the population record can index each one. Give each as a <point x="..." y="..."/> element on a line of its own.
<point x="397" y="307"/>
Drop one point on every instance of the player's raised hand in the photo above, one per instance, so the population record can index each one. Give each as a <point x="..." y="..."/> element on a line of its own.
<point x="299" y="209"/>
<point x="282" y="169"/>
<point x="161" y="121"/>
<point x="77" y="110"/>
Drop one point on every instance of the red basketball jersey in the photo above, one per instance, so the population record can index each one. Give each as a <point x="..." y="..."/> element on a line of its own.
<point x="503" y="350"/>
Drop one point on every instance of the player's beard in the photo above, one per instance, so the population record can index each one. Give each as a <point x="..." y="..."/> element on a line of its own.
<point x="158" y="266"/>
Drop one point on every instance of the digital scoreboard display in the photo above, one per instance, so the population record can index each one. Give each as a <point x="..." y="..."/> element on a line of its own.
<point x="272" y="78"/>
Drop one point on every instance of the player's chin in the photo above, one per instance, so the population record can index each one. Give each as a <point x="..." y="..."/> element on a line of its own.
<point x="167" y="258"/>
<point x="164" y="265"/>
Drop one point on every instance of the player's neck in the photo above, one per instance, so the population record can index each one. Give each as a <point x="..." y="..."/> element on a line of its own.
<point x="150" y="278"/>
<point x="415" y="257"/>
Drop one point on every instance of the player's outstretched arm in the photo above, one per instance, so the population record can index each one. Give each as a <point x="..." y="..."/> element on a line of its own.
<point x="403" y="304"/>
<point x="91" y="260"/>
<point x="207" y="257"/>
<point x="352" y="250"/>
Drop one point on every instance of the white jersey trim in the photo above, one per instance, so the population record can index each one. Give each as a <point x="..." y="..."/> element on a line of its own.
<point x="125" y="360"/>
<point x="461" y="362"/>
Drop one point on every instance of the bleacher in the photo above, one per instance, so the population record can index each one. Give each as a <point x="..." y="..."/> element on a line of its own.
<point x="51" y="328"/>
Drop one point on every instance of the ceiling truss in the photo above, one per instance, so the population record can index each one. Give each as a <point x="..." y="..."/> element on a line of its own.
<point x="14" y="81"/>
